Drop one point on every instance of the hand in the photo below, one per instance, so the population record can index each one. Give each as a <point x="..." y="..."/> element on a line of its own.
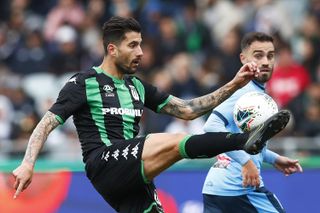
<point x="246" y="73"/>
<point x="250" y="175"/>
<point x="287" y="166"/>
<point x="23" y="177"/>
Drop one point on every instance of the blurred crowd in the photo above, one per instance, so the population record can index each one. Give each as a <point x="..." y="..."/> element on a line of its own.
<point x="191" y="47"/>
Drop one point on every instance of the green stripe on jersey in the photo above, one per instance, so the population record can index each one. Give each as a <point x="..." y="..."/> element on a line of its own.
<point x="95" y="104"/>
<point x="164" y="103"/>
<point x="139" y="87"/>
<point x="125" y="103"/>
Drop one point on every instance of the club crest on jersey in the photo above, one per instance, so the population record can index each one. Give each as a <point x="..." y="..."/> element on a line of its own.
<point x="109" y="90"/>
<point x="134" y="93"/>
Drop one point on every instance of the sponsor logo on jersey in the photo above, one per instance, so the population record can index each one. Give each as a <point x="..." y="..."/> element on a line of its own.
<point x="135" y="150"/>
<point x="73" y="80"/>
<point x="105" y="156"/>
<point x="109" y="90"/>
<point x="134" y="93"/>
<point x="125" y="152"/>
<point x="115" y="154"/>
<point x="122" y="111"/>
<point x="223" y="161"/>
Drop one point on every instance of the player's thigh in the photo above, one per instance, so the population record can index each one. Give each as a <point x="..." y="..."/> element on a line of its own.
<point x="216" y="203"/>
<point x="160" y="151"/>
<point x="265" y="201"/>
<point x="210" y="205"/>
<point x="144" y="199"/>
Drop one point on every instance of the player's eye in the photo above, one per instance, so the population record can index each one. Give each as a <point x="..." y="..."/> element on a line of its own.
<point x="133" y="44"/>
<point x="270" y="56"/>
<point x="258" y="56"/>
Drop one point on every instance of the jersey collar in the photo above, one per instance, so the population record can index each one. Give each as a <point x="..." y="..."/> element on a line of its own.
<point x="260" y="85"/>
<point x="116" y="80"/>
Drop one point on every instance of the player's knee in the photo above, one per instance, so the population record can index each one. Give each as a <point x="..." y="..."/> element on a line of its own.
<point x="180" y="136"/>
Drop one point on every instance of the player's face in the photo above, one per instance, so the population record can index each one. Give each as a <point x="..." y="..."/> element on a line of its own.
<point x="129" y="53"/>
<point x="263" y="54"/>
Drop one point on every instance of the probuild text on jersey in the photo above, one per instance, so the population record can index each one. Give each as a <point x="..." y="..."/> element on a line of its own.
<point x="122" y="111"/>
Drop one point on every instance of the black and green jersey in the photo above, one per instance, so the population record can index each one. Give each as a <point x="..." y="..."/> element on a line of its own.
<point x="105" y="108"/>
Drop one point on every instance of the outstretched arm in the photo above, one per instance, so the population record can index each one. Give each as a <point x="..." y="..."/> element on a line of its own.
<point x="287" y="166"/>
<point x="191" y="109"/>
<point x="284" y="164"/>
<point x="23" y="174"/>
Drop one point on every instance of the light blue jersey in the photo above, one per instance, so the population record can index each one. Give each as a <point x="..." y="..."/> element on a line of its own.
<point x="224" y="177"/>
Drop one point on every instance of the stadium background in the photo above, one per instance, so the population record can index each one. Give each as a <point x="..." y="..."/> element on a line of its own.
<point x="190" y="47"/>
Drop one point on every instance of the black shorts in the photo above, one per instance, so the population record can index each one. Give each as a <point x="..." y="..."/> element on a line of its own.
<point x="117" y="174"/>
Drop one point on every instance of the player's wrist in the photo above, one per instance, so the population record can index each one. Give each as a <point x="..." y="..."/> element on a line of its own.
<point x="233" y="85"/>
<point x="271" y="157"/>
<point x="249" y="163"/>
<point x="29" y="165"/>
<point x="244" y="160"/>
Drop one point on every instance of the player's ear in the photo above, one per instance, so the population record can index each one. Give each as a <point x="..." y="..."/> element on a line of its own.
<point x="243" y="58"/>
<point x="112" y="50"/>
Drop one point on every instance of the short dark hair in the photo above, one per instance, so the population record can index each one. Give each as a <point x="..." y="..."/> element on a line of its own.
<point x="251" y="37"/>
<point x="114" y="30"/>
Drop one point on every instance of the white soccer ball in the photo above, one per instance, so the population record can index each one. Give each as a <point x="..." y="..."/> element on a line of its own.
<point x="252" y="109"/>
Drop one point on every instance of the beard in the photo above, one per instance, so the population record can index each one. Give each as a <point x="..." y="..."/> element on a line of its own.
<point x="263" y="77"/>
<point x="124" y="69"/>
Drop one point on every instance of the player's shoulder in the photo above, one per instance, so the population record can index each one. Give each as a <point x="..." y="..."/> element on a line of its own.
<point x="79" y="78"/>
<point x="82" y="75"/>
<point x="228" y="104"/>
<point x="250" y="87"/>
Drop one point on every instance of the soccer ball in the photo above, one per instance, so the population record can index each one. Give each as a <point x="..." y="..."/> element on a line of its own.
<point x="252" y="109"/>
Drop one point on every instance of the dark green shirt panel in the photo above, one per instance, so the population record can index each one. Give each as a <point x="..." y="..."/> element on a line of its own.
<point x="153" y="96"/>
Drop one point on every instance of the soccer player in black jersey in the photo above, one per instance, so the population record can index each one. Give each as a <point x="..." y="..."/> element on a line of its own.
<point x="107" y="103"/>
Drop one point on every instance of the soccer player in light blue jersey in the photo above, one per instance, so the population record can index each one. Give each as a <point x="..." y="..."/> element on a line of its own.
<point x="233" y="183"/>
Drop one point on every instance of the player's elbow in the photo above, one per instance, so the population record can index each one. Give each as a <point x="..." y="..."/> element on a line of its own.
<point x="190" y="115"/>
<point x="187" y="117"/>
<point x="185" y="114"/>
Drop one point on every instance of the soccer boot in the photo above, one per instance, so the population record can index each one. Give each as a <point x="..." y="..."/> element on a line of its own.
<point x="259" y="136"/>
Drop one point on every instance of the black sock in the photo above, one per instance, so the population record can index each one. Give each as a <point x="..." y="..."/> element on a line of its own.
<point x="211" y="144"/>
